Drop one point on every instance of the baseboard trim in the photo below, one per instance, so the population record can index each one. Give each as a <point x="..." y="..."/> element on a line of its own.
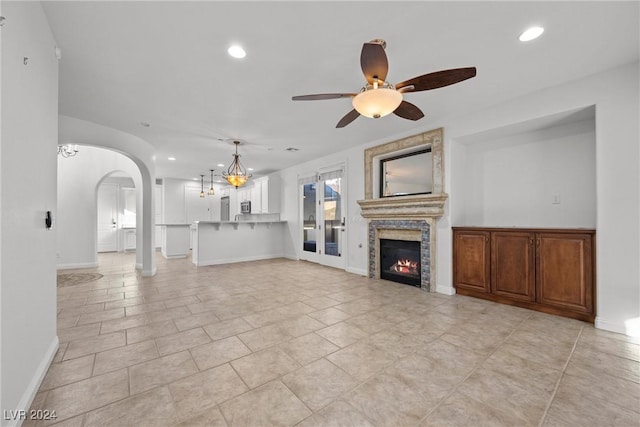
<point x="77" y="265"/>
<point x="358" y="271"/>
<point x="149" y="273"/>
<point x="218" y="261"/>
<point x="446" y="290"/>
<point x="174" y="256"/>
<point x="36" y="381"/>
<point x="618" y="328"/>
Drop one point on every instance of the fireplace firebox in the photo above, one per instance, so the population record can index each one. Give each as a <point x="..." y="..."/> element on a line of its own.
<point x="400" y="261"/>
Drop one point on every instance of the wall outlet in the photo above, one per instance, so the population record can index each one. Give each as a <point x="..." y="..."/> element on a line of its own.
<point x="556" y="199"/>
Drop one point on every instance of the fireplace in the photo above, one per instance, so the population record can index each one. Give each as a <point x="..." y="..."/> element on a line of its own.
<point x="400" y="261"/>
<point x="409" y="218"/>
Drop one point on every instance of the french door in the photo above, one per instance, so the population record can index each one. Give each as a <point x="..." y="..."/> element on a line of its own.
<point x="323" y="217"/>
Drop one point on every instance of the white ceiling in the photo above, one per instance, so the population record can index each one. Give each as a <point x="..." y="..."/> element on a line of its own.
<point x="166" y="63"/>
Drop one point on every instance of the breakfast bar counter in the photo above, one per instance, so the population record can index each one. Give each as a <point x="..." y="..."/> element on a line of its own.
<point x="223" y="242"/>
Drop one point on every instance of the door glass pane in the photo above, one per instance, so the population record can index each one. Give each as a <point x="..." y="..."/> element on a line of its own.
<point x="309" y="217"/>
<point x="332" y="217"/>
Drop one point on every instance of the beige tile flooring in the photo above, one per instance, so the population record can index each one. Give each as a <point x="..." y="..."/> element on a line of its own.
<point x="282" y="342"/>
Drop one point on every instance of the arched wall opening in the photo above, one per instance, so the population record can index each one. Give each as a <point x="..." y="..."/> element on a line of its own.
<point x="105" y="150"/>
<point x="79" y="179"/>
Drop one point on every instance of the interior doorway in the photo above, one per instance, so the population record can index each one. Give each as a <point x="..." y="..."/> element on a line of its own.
<point x="107" y="217"/>
<point x="116" y="214"/>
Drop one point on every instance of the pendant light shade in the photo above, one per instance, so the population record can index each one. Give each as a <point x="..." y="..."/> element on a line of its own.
<point x="202" y="186"/>
<point x="236" y="175"/>
<point x="212" y="192"/>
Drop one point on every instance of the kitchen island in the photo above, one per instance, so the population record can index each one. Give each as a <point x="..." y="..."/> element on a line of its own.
<point x="175" y="242"/>
<point x="223" y="242"/>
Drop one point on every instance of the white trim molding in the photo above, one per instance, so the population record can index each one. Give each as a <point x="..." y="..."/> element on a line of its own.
<point x="77" y="265"/>
<point x="446" y="290"/>
<point x="36" y="381"/>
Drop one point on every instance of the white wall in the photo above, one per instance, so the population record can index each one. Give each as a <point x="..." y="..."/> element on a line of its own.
<point x="27" y="190"/>
<point x="512" y="181"/>
<point x="615" y="94"/>
<point x="78" y="180"/>
<point x="182" y="203"/>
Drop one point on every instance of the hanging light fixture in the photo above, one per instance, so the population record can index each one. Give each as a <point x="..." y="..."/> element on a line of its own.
<point x="212" y="192"/>
<point x="377" y="100"/>
<point x="202" y="186"/>
<point x="68" y="150"/>
<point x="236" y="175"/>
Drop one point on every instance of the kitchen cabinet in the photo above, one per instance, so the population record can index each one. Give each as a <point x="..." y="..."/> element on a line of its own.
<point x="129" y="239"/>
<point x="550" y="270"/>
<point x="266" y="195"/>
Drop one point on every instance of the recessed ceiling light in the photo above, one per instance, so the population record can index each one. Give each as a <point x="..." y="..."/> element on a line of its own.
<point x="196" y="179"/>
<point x="171" y="158"/>
<point x="220" y="165"/>
<point x="249" y="169"/>
<point x="237" y="51"/>
<point x="531" y="33"/>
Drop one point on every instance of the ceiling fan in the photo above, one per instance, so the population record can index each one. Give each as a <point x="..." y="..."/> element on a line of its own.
<point x="378" y="97"/>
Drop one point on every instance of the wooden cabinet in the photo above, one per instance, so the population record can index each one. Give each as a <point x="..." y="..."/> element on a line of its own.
<point x="471" y="260"/>
<point x="544" y="269"/>
<point x="513" y="265"/>
<point x="564" y="274"/>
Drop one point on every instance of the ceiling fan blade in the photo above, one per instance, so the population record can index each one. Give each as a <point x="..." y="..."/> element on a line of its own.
<point x="374" y="62"/>
<point x="322" y="96"/>
<point x="351" y="116"/>
<point x="437" y="79"/>
<point x="407" y="110"/>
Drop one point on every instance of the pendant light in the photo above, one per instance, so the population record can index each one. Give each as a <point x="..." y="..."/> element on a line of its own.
<point x="212" y="192"/>
<point x="236" y="175"/>
<point x="202" y="186"/>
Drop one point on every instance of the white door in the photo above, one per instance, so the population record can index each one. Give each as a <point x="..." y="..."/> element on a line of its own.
<point x="108" y="218"/>
<point x="323" y="219"/>
<point x="332" y="222"/>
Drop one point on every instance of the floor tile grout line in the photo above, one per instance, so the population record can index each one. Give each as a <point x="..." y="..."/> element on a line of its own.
<point x="475" y="368"/>
<point x="557" y="386"/>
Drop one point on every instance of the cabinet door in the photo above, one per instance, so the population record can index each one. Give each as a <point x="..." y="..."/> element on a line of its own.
<point x="513" y="265"/>
<point x="471" y="260"/>
<point x="264" y="196"/>
<point x="564" y="271"/>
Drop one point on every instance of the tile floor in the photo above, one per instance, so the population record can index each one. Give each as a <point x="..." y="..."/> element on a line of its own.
<point x="289" y="343"/>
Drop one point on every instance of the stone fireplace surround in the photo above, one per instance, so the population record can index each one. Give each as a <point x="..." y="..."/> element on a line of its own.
<point x="410" y="218"/>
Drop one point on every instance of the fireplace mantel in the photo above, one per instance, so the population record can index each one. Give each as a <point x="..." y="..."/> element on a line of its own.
<point x="404" y="207"/>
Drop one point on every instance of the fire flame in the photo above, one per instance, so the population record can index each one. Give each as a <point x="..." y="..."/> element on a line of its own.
<point x="405" y="266"/>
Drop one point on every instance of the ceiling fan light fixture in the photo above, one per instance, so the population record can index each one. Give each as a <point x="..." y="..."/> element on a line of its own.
<point x="376" y="103"/>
